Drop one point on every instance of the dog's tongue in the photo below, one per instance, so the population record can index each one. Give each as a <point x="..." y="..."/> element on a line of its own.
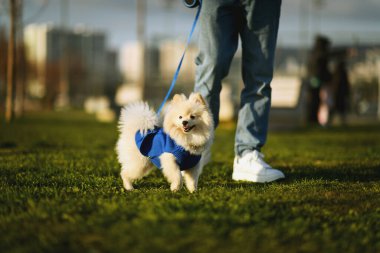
<point x="187" y="129"/>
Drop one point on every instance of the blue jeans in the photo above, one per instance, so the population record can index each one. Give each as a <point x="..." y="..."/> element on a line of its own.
<point x="221" y="24"/>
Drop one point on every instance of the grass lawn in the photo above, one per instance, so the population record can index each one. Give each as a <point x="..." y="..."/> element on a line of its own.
<point x="60" y="191"/>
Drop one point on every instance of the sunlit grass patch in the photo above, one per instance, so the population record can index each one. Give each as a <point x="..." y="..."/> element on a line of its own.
<point x="60" y="191"/>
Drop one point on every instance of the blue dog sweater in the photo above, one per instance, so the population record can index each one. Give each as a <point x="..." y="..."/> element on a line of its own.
<point x="156" y="142"/>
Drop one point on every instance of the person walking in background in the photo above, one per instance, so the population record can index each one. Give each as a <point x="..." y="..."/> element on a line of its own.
<point x="341" y="90"/>
<point x="221" y="24"/>
<point x="319" y="77"/>
<point x="326" y="98"/>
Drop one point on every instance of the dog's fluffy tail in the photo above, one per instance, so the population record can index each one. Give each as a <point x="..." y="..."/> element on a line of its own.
<point x="137" y="117"/>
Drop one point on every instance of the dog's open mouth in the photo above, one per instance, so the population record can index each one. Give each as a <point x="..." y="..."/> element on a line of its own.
<point x="187" y="129"/>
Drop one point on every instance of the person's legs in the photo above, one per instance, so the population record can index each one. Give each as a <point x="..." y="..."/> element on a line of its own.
<point x="218" y="41"/>
<point x="258" y="36"/>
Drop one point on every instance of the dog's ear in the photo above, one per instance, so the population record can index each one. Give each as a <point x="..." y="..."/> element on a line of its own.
<point x="179" y="98"/>
<point x="197" y="98"/>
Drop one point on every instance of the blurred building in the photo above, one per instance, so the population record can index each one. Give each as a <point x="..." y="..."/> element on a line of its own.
<point x="161" y="60"/>
<point x="364" y="75"/>
<point x="74" y="62"/>
<point x="288" y="86"/>
<point x="170" y="54"/>
<point x="141" y="72"/>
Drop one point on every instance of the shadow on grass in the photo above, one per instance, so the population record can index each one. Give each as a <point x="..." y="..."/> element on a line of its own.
<point x="8" y="144"/>
<point x="352" y="174"/>
<point x="293" y="175"/>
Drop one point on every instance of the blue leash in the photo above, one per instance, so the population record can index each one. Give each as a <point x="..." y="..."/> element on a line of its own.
<point x="180" y="62"/>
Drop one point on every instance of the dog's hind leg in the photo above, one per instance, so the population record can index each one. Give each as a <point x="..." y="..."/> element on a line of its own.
<point x="171" y="171"/>
<point x="127" y="181"/>
<point x="129" y="175"/>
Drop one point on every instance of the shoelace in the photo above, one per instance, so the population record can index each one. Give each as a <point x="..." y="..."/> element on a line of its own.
<point x="257" y="156"/>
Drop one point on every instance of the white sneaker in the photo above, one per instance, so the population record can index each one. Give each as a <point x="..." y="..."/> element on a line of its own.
<point x="251" y="167"/>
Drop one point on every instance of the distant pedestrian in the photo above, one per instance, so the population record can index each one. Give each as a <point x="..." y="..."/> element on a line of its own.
<point x="319" y="77"/>
<point x="326" y="103"/>
<point x="341" y="89"/>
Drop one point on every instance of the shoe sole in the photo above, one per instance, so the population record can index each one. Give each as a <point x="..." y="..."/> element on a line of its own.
<point x="241" y="176"/>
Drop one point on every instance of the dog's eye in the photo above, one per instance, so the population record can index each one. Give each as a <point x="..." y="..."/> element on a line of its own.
<point x="180" y="117"/>
<point x="192" y="117"/>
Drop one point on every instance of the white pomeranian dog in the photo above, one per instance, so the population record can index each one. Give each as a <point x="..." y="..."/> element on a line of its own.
<point x="176" y="147"/>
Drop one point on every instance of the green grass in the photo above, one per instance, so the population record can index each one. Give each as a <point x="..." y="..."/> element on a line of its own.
<point x="60" y="191"/>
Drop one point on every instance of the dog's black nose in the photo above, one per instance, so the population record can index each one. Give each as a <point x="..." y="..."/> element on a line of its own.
<point x="184" y="123"/>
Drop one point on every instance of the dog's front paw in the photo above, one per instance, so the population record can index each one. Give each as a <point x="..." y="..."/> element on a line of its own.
<point x="191" y="188"/>
<point x="174" y="187"/>
<point x="128" y="186"/>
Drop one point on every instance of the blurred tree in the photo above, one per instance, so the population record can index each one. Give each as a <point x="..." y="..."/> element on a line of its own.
<point x="11" y="70"/>
<point x="20" y="63"/>
<point x="3" y="68"/>
<point x="62" y="100"/>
